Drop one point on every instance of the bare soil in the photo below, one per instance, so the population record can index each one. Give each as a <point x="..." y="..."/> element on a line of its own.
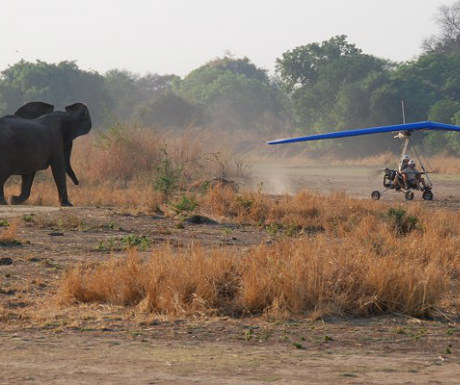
<point x="356" y="181"/>
<point x="43" y="343"/>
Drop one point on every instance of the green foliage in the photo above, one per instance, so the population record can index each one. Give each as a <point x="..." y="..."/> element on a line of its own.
<point x="319" y="86"/>
<point x="249" y="334"/>
<point x="401" y="222"/>
<point x="335" y="86"/>
<point x="28" y="218"/>
<point x="419" y="333"/>
<point x="167" y="109"/>
<point x="168" y="175"/>
<point x="272" y="229"/>
<point x="303" y="65"/>
<point x="187" y="204"/>
<point x="443" y="111"/>
<point x="132" y="93"/>
<point x="331" y="85"/>
<point x="107" y="246"/>
<point x="244" y="203"/>
<point x="58" y="84"/>
<point x="292" y="230"/>
<point x="140" y="242"/>
<point x="236" y="92"/>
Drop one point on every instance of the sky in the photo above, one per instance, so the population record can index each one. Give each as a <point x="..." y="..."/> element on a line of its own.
<point x="177" y="36"/>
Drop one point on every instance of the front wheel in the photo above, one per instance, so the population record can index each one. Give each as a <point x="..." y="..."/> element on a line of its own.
<point x="375" y="195"/>
<point x="427" y="195"/>
<point x="409" y="195"/>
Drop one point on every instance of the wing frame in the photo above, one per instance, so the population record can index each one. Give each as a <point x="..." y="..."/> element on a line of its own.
<point x="406" y="127"/>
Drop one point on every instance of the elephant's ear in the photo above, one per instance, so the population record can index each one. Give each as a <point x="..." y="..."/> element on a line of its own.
<point x="78" y="121"/>
<point x="34" y="110"/>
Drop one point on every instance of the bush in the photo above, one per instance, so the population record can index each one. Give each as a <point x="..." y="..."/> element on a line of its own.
<point x="401" y="223"/>
<point x="167" y="176"/>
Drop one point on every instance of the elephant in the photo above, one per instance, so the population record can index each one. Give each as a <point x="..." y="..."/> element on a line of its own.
<point x="37" y="137"/>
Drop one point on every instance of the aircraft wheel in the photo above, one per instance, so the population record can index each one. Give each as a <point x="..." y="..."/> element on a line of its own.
<point x="375" y="195"/>
<point x="427" y="195"/>
<point x="409" y="195"/>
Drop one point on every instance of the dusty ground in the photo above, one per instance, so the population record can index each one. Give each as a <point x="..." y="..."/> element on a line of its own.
<point x="359" y="182"/>
<point x="42" y="343"/>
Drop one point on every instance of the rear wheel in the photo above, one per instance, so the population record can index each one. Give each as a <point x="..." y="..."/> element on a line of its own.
<point x="427" y="195"/>
<point x="375" y="195"/>
<point x="409" y="195"/>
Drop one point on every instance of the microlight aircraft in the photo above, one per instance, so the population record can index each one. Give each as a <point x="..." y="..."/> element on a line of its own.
<point x="392" y="179"/>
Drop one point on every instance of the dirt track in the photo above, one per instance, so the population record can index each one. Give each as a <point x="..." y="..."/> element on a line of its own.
<point x="355" y="181"/>
<point x="210" y="354"/>
<point x="41" y="343"/>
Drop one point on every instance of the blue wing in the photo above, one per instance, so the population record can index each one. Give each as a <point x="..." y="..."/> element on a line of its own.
<point x="426" y="125"/>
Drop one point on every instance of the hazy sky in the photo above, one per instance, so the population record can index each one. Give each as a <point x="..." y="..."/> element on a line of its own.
<point x="176" y="36"/>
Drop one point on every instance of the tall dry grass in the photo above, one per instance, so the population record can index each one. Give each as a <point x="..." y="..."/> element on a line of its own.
<point x="363" y="261"/>
<point x="9" y="233"/>
<point x="120" y="166"/>
<point x="443" y="164"/>
<point x="305" y="210"/>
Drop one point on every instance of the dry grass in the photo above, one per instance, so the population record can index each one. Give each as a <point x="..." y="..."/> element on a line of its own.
<point x="329" y="254"/>
<point x="347" y="258"/>
<point x="120" y="167"/>
<point x="304" y="211"/>
<point x="442" y="164"/>
<point x="9" y="234"/>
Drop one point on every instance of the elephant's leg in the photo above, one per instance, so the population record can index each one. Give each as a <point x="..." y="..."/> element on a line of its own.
<point x="27" y="181"/>
<point x="58" y="170"/>
<point x="3" y="179"/>
<point x="2" y="194"/>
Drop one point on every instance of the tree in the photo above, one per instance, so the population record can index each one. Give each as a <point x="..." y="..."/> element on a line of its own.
<point x="302" y="65"/>
<point x="324" y="81"/>
<point x="168" y="109"/>
<point x="131" y="92"/>
<point x="449" y="39"/>
<point x="335" y="86"/>
<point x="58" y="84"/>
<point x="236" y="92"/>
<point x="123" y="88"/>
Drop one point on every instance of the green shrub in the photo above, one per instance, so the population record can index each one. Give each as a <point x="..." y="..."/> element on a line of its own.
<point x="401" y="222"/>
<point x="168" y="176"/>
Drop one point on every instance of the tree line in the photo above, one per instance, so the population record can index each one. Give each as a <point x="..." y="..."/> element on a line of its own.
<point x="322" y="86"/>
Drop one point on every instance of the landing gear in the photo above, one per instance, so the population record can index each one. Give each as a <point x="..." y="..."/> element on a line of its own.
<point x="375" y="195"/>
<point x="427" y="195"/>
<point x="409" y="195"/>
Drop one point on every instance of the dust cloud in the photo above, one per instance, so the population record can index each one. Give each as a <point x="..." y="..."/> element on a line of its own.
<point x="271" y="179"/>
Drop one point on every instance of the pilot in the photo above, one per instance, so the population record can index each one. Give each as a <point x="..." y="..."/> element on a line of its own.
<point x="404" y="163"/>
<point x="398" y="181"/>
<point x="412" y="177"/>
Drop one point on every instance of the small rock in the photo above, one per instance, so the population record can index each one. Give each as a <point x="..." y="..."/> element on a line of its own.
<point x="6" y="261"/>
<point x="56" y="234"/>
<point x="200" y="220"/>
